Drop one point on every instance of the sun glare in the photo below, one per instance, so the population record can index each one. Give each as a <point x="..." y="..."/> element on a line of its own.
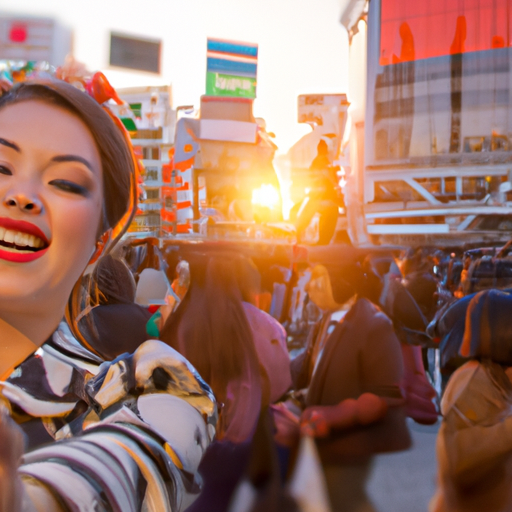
<point x="267" y="195"/>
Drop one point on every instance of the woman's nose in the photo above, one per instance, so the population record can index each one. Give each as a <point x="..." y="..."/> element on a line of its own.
<point x="23" y="203"/>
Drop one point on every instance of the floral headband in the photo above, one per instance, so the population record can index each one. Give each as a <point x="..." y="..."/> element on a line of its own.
<point x="95" y="85"/>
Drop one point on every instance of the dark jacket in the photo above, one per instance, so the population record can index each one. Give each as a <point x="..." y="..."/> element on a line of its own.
<point x="361" y="355"/>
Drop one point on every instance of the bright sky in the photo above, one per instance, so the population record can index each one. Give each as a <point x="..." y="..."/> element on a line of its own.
<point x="303" y="48"/>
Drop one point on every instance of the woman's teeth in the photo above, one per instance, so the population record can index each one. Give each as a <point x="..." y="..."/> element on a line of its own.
<point x="19" y="239"/>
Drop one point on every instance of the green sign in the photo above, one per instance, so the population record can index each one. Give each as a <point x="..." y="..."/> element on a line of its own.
<point x="231" y="68"/>
<point x="219" y="84"/>
<point x="136" y="108"/>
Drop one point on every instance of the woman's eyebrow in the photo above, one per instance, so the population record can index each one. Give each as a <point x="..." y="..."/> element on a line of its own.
<point x="9" y="144"/>
<point x="72" y="158"/>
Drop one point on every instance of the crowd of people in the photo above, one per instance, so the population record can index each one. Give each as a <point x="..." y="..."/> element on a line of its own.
<point x="112" y="401"/>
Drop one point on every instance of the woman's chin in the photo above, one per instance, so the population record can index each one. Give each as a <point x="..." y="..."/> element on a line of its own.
<point x="23" y="288"/>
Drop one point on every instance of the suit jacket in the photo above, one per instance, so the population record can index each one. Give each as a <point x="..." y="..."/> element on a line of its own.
<point x="361" y="355"/>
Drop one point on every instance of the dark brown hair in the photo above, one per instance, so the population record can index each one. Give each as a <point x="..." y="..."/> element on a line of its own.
<point x="116" y="158"/>
<point x="211" y="330"/>
<point x="117" y="164"/>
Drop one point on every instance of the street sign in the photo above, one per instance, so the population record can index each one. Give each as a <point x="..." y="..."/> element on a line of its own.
<point x="231" y="68"/>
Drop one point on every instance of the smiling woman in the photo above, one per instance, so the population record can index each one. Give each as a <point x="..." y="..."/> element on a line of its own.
<point x="60" y="201"/>
<point x="66" y="181"/>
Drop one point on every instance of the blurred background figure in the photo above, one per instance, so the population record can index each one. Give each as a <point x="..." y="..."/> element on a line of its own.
<point x="474" y="444"/>
<point x="116" y="324"/>
<point x="242" y="353"/>
<point x="352" y="370"/>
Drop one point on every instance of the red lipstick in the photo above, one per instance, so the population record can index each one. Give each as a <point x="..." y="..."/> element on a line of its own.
<point x="22" y="227"/>
<point x="21" y="257"/>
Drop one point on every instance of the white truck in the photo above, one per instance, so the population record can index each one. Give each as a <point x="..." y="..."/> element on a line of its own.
<point x="431" y="136"/>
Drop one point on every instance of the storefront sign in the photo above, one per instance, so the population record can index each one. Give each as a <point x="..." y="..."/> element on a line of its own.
<point x="231" y="68"/>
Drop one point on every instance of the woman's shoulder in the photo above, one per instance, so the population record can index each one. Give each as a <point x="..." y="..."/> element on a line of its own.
<point x="64" y="342"/>
<point x="157" y="389"/>
<point x="48" y="382"/>
<point x="154" y="368"/>
<point x="260" y="318"/>
<point x="270" y="342"/>
<point x="151" y="416"/>
<point x="264" y="325"/>
<point x="364" y="308"/>
<point x="62" y="373"/>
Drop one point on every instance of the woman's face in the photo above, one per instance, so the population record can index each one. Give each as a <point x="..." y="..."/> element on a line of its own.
<point x="51" y="199"/>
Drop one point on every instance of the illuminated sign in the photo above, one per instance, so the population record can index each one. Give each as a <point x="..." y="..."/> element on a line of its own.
<point x="421" y="30"/>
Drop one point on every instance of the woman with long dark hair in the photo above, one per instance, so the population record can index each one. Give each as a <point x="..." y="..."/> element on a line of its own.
<point x="240" y="351"/>
<point x="130" y="433"/>
<point x="231" y="343"/>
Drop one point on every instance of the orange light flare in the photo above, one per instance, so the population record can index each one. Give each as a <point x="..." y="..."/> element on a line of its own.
<point x="283" y="172"/>
<point x="287" y="203"/>
<point x="342" y="180"/>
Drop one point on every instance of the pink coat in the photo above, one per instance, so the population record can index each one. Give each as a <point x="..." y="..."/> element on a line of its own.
<point x="270" y="342"/>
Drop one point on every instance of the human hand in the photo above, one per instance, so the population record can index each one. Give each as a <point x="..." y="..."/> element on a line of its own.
<point x="371" y="408"/>
<point x="11" y="450"/>
<point x="318" y="421"/>
<point x="286" y="424"/>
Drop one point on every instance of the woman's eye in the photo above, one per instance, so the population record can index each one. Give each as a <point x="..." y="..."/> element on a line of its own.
<point x="69" y="186"/>
<point x="5" y="170"/>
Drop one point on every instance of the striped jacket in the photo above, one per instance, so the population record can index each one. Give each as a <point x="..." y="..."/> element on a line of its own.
<point x="130" y="432"/>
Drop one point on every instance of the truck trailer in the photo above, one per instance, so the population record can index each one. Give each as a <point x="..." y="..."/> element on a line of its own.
<point x="431" y="140"/>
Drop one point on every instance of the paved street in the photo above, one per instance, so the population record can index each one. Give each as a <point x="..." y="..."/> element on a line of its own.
<point x="405" y="482"/>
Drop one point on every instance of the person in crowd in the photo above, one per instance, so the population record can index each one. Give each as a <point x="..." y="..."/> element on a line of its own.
<point x="113" y="323"/>
<point x="423" y="288"/>
<point x="125" y="435"/>
<point x="322" y="162"/>
<point x="474" y="444"/>
<point x="323" y="199"/>
<point x="140" y="254"/>
<point x="352" y="371"/>
<point x="240" y="351"/>
<point x="447" y="329"/>
<point x="420" y="281"/>
<point x="410" y="326"/>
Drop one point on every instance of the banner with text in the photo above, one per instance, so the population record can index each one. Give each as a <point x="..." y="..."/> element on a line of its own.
<point x="231" y="68"/>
